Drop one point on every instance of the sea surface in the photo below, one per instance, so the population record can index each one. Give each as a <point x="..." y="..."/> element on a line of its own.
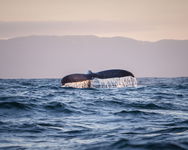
<point x="40" y="114"/>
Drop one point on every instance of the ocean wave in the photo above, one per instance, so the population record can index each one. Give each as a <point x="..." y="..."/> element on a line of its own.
<point x="134" y="113"/>
<point x="39" y="114"/>
<point x="176" y="130"/>
<point x="147" y="106"/>
<point x="13" y="148"/>
<point x="59" y="107"/>
<point x="15" y="105"/>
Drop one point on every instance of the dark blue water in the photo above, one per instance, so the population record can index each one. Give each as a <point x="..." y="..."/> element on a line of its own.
<point x="39" y="114"/>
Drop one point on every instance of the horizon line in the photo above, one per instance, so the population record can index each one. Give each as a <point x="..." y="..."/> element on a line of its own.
<point x="80" y="35"/>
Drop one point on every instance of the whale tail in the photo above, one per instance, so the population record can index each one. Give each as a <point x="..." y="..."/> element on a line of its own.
<point x="108" y="78"/>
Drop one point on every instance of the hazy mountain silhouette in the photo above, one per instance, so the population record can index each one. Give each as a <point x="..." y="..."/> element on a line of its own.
<point x="56" y="56"/>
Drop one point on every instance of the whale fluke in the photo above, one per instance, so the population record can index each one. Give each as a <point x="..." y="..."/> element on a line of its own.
<point x="115" y="73"/>
<point x="75" y="78"/>
<point x="86" y="79"/>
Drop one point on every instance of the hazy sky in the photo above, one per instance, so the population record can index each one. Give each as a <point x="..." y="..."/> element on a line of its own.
<point x="139" y="19"/>
<point x="145" y="20"/>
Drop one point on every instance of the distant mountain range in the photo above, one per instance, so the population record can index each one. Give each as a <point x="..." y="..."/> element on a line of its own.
<point x="56" y="56"/>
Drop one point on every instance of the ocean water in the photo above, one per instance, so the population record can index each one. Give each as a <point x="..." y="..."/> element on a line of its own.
<point x="40" y="114"/>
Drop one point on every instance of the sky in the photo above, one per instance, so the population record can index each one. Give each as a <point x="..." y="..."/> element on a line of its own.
<point x="147" y="20"/>
<point x="143" y="20"/>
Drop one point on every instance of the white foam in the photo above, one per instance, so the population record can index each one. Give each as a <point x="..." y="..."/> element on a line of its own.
<point x="127" y="81"/>
<point x="81" y="84"/>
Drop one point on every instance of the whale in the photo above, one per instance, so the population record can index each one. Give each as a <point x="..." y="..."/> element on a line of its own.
<point x="87" y="80"/>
